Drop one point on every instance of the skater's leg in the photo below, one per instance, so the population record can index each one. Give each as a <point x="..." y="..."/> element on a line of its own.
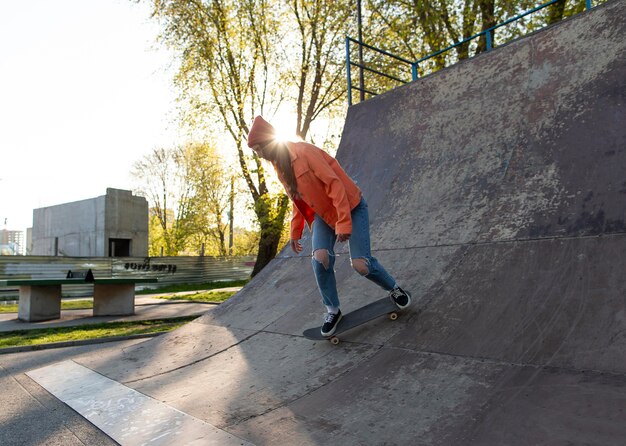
<point x="368" y="266"/>
<point x="323" y="261"/>
<point x="360" y="252"/>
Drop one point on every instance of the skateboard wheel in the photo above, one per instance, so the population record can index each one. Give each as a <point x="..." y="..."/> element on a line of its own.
<point x="393" y="316"/>
<point x="334" y="340"/>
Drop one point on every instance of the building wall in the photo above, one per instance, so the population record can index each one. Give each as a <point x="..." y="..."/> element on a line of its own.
<point x="83" y="228"/>
<point x="126" y="218"/>
<point x="70" y="229"/>
<point x="29" y="241"/>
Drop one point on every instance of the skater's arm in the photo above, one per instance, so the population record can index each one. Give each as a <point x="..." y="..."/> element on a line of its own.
<point x="297" y="223"/>
<point x="343" y="237"/>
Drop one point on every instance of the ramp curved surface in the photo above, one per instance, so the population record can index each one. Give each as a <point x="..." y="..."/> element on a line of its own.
<point x="497" y="195"/>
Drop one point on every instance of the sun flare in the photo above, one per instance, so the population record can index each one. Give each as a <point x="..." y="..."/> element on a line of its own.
<point x="284" y="125"/>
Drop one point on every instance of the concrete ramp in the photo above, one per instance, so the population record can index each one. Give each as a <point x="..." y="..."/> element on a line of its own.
<point x="497" y="195"/>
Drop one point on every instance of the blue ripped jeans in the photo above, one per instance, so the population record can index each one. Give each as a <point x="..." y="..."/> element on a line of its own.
<point x="324" y="237"/>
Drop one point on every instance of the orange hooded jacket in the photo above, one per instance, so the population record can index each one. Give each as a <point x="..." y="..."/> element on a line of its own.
<point x="324" y="188"/>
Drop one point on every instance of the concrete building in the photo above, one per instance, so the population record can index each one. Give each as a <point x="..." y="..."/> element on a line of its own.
<point x="112" y="225"/>
<point x="11" y="242"/>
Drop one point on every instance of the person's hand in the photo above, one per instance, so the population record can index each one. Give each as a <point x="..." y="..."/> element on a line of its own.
<point x="296" y="246"/>
<point x="343" y="237"/>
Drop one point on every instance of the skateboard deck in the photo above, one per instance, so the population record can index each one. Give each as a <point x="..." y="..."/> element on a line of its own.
<point x="355" y="318"/>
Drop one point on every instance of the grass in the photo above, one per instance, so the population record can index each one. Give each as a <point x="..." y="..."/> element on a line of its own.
<point x="62" y="334"/>
<point x="174" y="288"/>
<point x="208" y="296"/>
<point x="65" y="305"/>
<point x="201" y="296"/>
<point x="113" y="329"/>
<point x="178" y="287"/>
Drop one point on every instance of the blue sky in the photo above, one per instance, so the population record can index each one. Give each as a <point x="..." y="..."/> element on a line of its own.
<point x="85" y="91"/>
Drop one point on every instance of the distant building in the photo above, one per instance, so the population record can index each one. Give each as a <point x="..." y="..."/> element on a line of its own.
<point x="29" y="241"/>
<point x="113" y="225"/>
<point x="12" y="243"/>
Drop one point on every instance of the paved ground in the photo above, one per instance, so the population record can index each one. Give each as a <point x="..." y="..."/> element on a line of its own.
<point x="496" y="193"/>
<point x="29" y="415"/>
<point x="146" y="307"/>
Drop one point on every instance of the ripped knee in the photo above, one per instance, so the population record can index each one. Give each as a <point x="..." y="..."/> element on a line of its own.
<point x="322" y="256"/>
<point x="361" y="266"/>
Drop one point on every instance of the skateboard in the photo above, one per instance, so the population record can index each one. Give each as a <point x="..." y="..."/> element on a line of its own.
<point x="355" y="318"/>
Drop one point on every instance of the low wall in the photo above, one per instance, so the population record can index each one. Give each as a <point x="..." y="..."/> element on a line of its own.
<point x="169" y="270"/>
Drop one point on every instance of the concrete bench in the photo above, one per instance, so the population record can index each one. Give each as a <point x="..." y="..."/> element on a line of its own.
<point x="40" y="299"/>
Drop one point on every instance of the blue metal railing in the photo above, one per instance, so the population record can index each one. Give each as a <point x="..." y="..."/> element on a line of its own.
<point x="414" y="65"/>
<point x="366" y="68"/>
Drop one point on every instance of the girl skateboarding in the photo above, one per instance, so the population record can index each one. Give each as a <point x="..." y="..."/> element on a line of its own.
<point x="325" y="198"/>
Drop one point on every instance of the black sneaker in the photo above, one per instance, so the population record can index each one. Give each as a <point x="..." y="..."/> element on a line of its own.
<point x="330" y="323"/>
<point x="401" y="298"/>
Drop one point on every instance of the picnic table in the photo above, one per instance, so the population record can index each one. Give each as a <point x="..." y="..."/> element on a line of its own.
<point x="40" y="299"/>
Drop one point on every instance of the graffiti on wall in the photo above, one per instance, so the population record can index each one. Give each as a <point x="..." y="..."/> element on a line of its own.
<point x="147" y="265"/>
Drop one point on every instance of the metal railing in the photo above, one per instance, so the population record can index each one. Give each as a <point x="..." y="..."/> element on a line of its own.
<point x="415" y="65"/>
<point x="366" y="68"/>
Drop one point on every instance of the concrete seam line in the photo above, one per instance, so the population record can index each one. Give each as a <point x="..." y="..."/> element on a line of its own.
<point x="341" y="253"/>
<point x="311" y="391"/>
<point x="193" y="362"/>
<point x="495" y="361"/>
<point x="21" y="386"/>
<point x="211" y="355"/>
<point x="46" y="405"/>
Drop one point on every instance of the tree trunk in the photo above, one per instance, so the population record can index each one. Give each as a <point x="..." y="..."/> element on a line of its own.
<point x="271" y="229"/>
<point x="268" y="247"/>
<point x="231" y="217"/>
<point x="487" y="13"/>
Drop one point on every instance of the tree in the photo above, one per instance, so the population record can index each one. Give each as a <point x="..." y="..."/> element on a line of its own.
<point x="157" y="236"/>
<point x="234" y="63"/>
<point x="163" y="184"/>
<point x="211" y="196"/>
<point x="417" y="28"/>
<point x="488" y="18"/>
<point x="248" y="57"/>
<point x="187" y="190"/>
<point x="319" y="74"/>
<point x="563" y="8"/>
<point x="225" y="49"/>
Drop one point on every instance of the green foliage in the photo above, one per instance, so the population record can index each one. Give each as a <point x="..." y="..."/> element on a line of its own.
<point x="209" y="204"/>
<point x="190" y="190"/>
<point x="316" y="69"/>
<point x="65" y="305"/>
<point x="242" y="58"/>
<point x="94" y="331"/>
<point x="415" y="29"/>
<point x="178" y="287"/>
<point x="246" y="242"/>
<point x="206" y="296"/>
